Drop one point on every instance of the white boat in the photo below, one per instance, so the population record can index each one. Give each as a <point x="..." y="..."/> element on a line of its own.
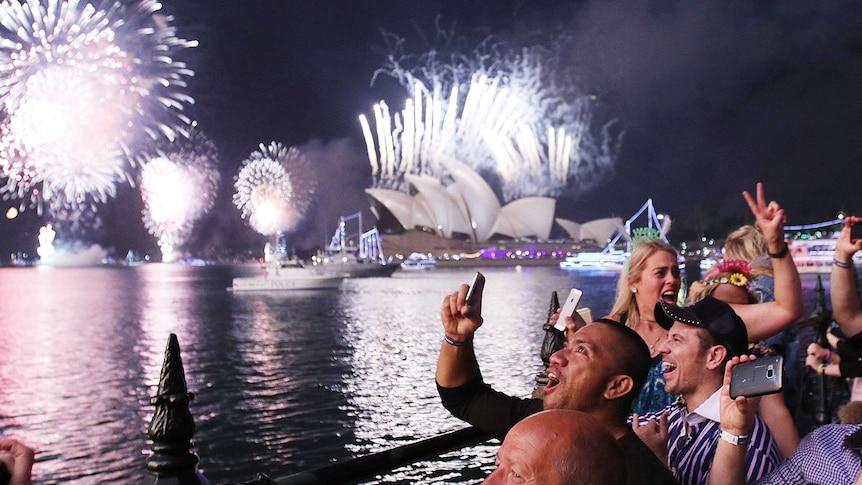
<point x="815" y="255"/>
<point x="812" y="246"/>
<point x="286" y="275"/>
<point x="614" y="260"/>
<point x="419" y="262"/>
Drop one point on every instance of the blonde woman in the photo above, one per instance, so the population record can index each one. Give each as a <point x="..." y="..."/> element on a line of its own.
<point x="652" y="274"/>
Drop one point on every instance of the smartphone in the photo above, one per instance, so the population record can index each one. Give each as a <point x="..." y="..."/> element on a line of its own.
<point x="757" y="377"/>
<point x="569" y="308"/>
<point x="856" y="231"/>
<point x="475" y="291"/>
<point x="586" y="314"/>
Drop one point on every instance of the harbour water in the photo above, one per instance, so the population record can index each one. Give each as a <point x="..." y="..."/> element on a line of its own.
<point x="282" y="382"/>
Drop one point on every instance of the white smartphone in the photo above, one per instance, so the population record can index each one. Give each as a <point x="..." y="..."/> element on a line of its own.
<point x="476" y="286"/>
<point x="569" y="308"/>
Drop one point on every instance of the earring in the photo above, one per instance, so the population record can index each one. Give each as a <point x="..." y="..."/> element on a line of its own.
<point x="634" y="290"/>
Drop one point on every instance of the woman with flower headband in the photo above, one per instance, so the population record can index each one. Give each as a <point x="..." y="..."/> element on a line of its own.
<point x="730" y="281"/>
<point x="747" y="243"/>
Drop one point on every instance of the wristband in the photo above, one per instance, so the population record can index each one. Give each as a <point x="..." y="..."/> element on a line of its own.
<point x="457" y="343"/>
<point x="828" y="356"/>
<point x="842" y="264"/>
<point x="735" y="440"/>
<point x="780" y="254"/>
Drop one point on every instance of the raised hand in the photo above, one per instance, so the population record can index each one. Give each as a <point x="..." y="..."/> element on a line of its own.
<point x="770" y="218"/>
<point x="459" y="320"/>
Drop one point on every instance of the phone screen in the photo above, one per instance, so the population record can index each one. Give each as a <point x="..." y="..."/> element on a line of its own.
<point x="856" y="231"/>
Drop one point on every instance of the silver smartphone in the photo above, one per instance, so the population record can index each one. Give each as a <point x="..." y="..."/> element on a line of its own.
<point x="757" y="377"/>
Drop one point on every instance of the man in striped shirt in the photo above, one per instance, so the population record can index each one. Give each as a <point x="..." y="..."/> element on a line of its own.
<point x="701" y="339"/>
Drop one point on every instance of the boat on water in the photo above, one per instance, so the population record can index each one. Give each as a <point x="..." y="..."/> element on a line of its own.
<point x="812" y="246"/>
<point x="287" y="274"/>
<point x="612" y="258"/>
<point x="342" y="258"/>
<point x="418" y="262"/>
<point x="350" y="265"/>
<point x="816" y="255"/>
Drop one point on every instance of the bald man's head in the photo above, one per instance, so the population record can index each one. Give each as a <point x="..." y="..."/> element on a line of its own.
<point x="578" y="448"/>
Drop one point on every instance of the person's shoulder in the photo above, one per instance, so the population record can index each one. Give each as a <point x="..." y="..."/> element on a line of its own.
<point x="642" y="465"/>
<point x="831" y="433"/>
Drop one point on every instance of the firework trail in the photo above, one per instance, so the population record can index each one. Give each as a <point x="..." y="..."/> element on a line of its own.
<point x="508" y="114"/>
<point x="178" y="187"/>
<point x="81" y="85"/>
<point x="274" y="188"/>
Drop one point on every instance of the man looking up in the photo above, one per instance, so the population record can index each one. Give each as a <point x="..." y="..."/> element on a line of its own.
<point x="599" y="373"/>
<point x="559" y="447"/>
<point x="701" y="339"/>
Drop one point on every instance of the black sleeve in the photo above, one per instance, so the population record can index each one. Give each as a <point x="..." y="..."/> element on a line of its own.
<point x="488" y="410"/>
<point x="851" y="363"/>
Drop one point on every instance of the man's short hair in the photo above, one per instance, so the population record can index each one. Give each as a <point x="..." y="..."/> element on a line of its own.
<point x="631" y="354"/>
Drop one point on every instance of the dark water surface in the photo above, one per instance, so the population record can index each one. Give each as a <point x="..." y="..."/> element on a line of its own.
<point x="282" y="382"/>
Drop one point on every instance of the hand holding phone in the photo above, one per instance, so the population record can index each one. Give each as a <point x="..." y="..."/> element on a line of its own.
<point x="856" y="232"/>
<point x="757" y="377"/>
<point x="569" y="308"/>
<point x="474" y="293"/>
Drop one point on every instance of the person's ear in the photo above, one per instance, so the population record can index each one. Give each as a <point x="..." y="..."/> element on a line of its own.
<point x="715" y="358"/>
<point x="618" y="386"/>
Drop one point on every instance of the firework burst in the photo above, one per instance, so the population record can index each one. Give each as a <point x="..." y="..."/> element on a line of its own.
<point x="508" y="113"/>
<point x="81" y="85"/>
<point x="274" y="188"/>
<point x="178" y="187"/>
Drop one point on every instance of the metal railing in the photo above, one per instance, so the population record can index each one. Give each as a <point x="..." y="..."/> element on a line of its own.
<point x="172" y="428"/>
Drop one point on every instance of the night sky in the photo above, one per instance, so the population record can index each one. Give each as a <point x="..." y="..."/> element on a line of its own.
<point x="712" y="97"/>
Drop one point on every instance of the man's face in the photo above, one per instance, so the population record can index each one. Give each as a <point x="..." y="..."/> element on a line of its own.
<point x="578" y="374"/>
<point x="524" y="458"/>
<point x="684" y="355"/>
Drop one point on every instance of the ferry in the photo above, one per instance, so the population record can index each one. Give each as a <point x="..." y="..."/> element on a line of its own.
<point x="816" y="255"/>
<point x="287" y="274"/>
<point x="418" y="262"/>
<point x="812" y="246"/>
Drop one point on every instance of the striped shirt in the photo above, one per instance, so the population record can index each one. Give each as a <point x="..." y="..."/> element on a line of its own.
<point x="829" y="455"/>
<point x="693" y="438"/>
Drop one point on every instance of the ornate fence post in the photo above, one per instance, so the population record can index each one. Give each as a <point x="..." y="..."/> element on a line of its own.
<point x="553" y="341"/>
<point x="172" y="426"/>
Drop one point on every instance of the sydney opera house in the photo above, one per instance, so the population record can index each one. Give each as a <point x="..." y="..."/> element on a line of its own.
<point x="466" y="215"/>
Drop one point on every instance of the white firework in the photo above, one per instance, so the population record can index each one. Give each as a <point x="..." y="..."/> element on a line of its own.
<point x="178" y="187"/>
<point x="274" y="188"/>
<point x="502" y="114"/>
<point x="81" y="85"/>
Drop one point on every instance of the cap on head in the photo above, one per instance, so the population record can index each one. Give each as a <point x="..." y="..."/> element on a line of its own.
<point x="712" y="315"/>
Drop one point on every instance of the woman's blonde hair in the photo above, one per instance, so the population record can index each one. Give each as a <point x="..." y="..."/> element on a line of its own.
<point x="626" y="301"/>
<point x="747" y="243"/>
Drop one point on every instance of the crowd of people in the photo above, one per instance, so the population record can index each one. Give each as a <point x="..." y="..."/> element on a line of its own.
<point x="655" y="374"/>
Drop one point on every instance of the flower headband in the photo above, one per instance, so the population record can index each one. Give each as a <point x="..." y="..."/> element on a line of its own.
<point x="739" y="273"/>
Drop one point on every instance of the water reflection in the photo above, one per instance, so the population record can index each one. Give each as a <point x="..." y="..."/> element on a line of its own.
<point x="282" y="382"/>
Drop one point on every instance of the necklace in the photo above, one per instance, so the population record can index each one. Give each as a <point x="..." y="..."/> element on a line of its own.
<point x="652" y="347"/>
